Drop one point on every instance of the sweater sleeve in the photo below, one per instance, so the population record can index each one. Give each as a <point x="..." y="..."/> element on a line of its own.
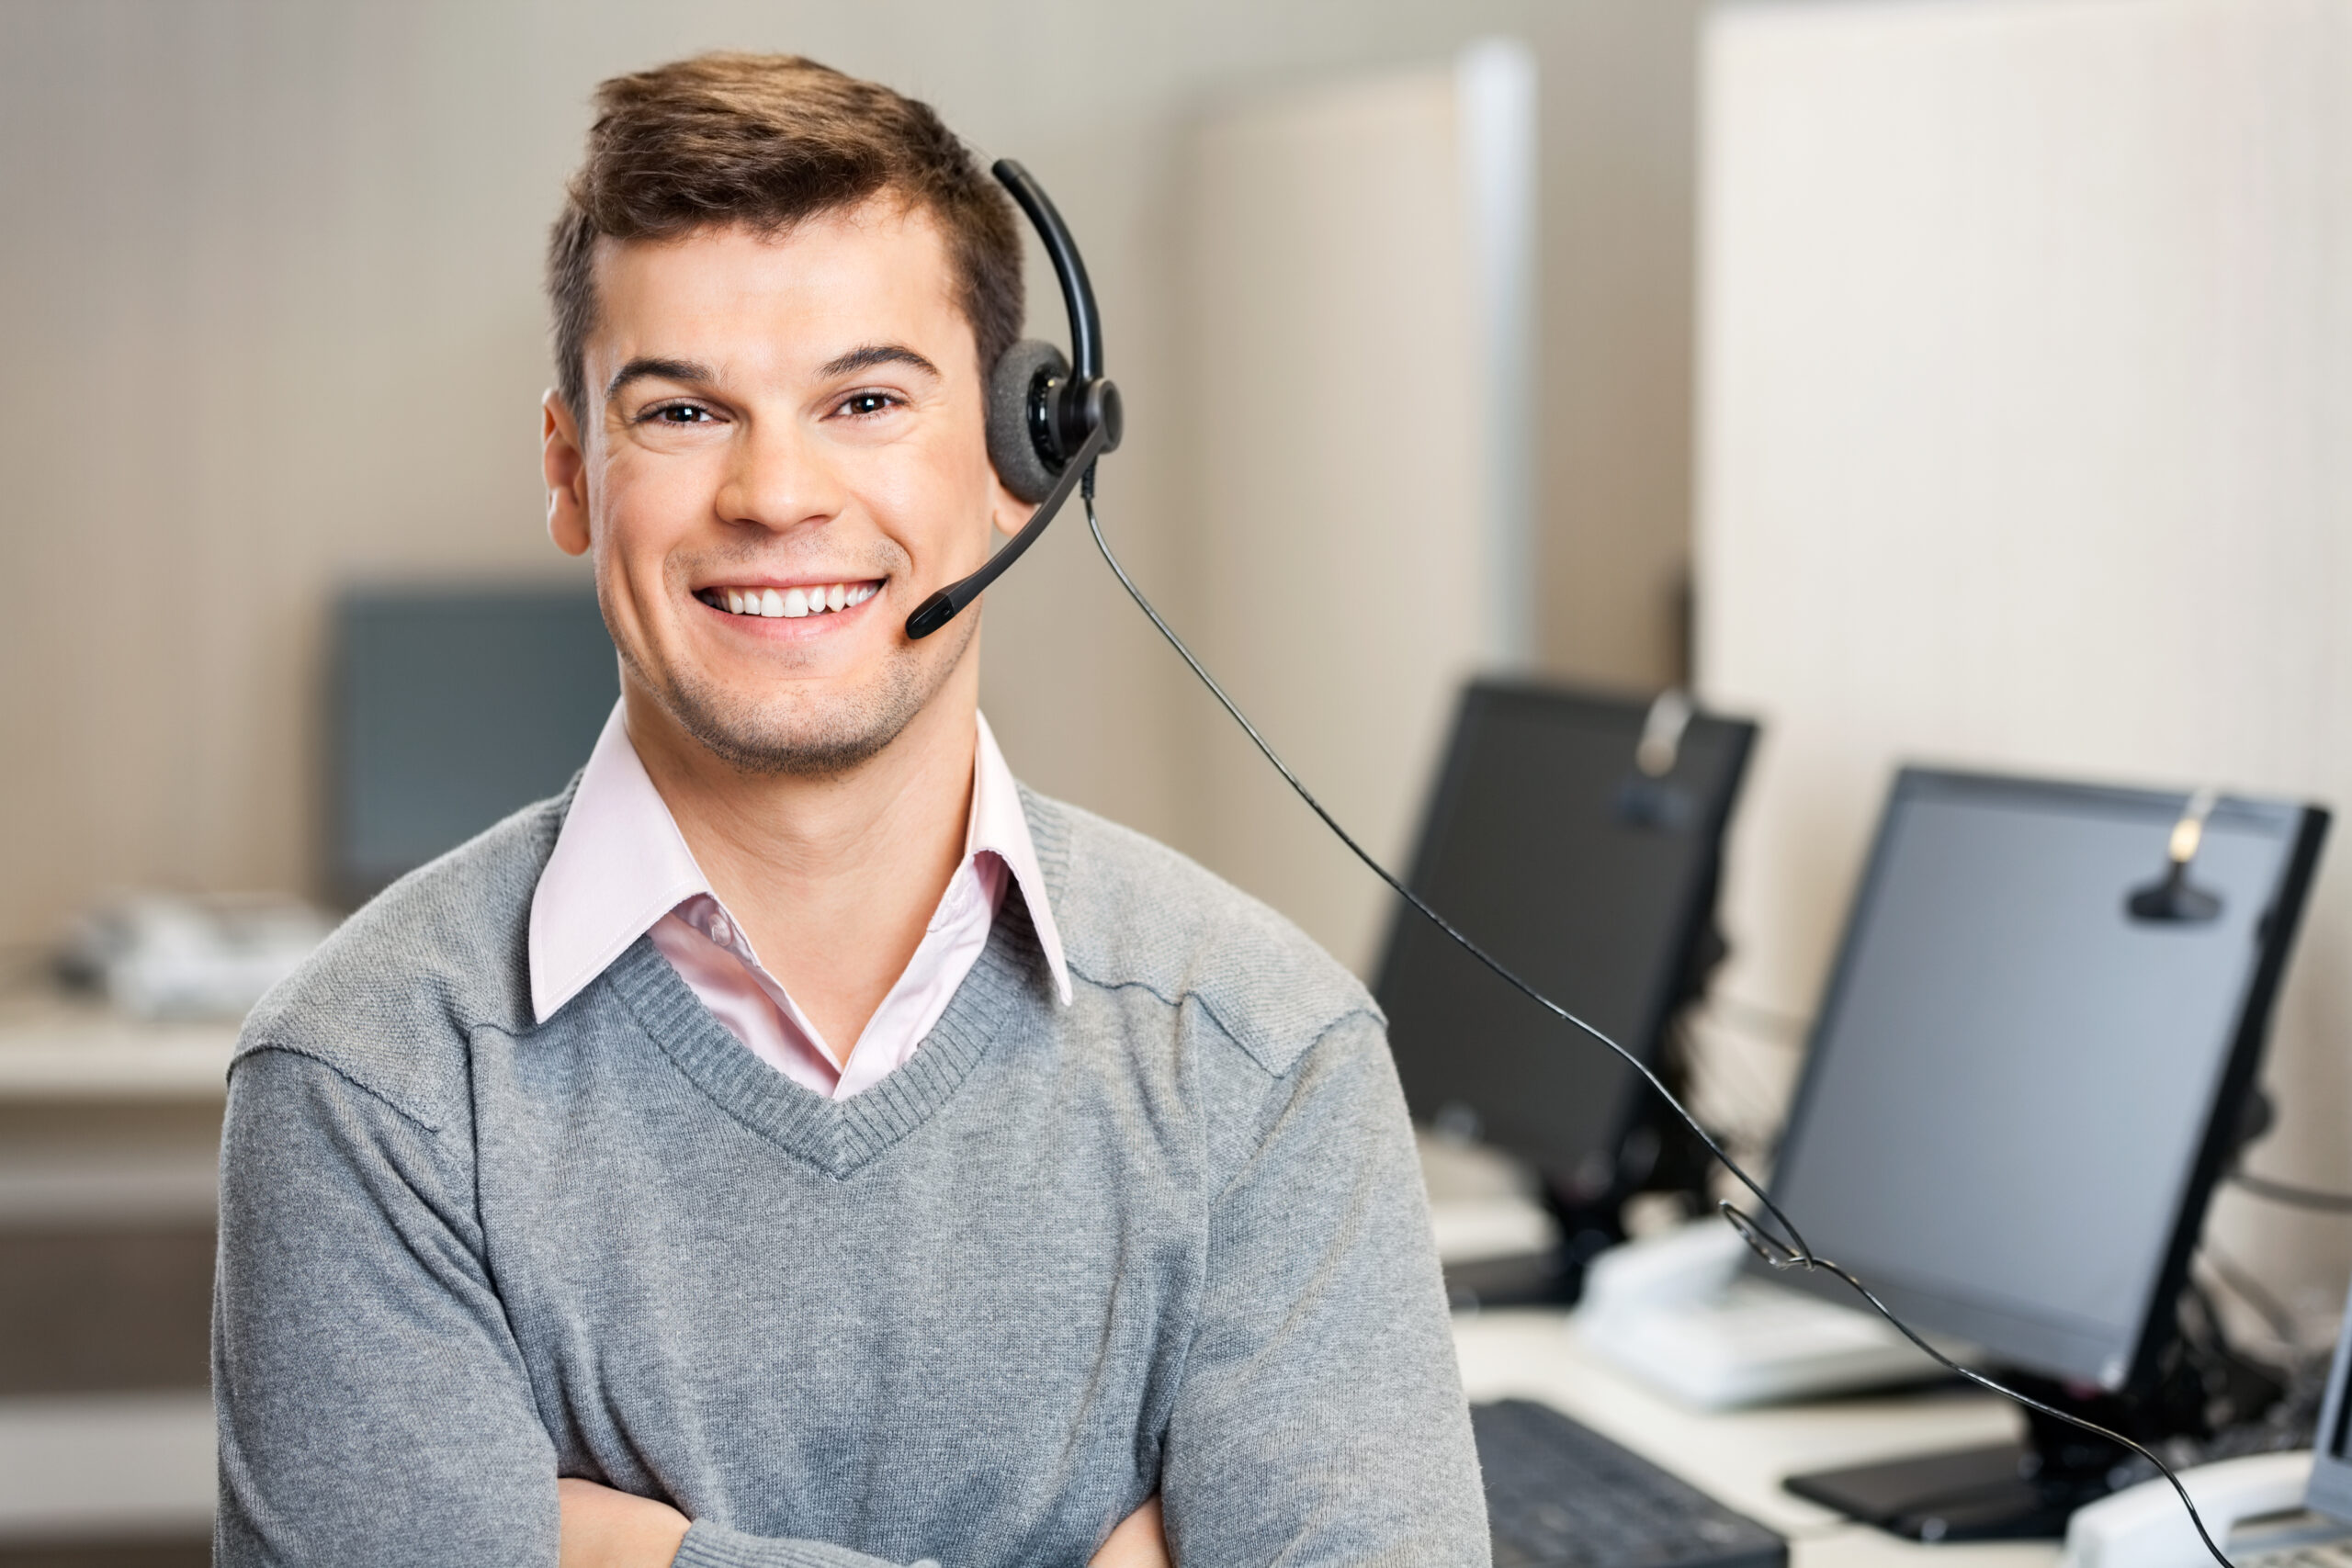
<point x="373" y="1406"/>
<point x="1321" y="1419"/>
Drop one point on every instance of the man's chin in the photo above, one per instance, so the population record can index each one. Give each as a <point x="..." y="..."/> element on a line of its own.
<point x="819" y="737"/>
<point x="800" y="744"/>
<point x="804" y="728"/>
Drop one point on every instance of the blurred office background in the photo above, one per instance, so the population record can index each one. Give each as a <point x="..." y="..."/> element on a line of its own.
<point x="1955" y="379"/>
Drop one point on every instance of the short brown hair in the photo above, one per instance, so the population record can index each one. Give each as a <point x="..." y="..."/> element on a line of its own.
<point x="765" y="140"/>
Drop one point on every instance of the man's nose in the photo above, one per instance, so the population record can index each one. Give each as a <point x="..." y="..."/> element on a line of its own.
<point x="779" y="476"/>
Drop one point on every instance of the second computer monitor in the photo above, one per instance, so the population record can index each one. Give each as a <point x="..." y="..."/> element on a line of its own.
<point x="1586" y="861"/>
<point x="2033" y="1056"/>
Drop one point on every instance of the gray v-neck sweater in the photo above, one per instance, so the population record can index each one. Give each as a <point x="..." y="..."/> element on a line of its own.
<point x="1168" y="1237"/>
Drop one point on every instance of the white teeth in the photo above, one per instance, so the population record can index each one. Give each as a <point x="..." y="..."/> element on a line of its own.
<point x="795" y="603"/>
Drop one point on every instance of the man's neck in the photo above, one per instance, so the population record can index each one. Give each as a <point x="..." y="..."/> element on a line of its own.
<point x="834" y="879"/>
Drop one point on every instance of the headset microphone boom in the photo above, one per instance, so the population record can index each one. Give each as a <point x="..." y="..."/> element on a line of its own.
<point x="1049" y="420"/>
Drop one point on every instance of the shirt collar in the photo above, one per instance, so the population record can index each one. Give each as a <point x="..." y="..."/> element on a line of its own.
<point x="619" y="864"/>
<point x="999" y="826"/>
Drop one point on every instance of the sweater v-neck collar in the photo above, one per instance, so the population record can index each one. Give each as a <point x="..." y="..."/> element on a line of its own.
<point x="837" y="1136"/>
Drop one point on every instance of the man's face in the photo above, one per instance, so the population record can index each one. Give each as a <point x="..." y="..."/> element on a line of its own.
<point x="788" y="423"/>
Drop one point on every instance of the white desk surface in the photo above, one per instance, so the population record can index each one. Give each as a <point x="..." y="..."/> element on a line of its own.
<point x="54" y="1046"/>
<point x="1740" y="1457"/>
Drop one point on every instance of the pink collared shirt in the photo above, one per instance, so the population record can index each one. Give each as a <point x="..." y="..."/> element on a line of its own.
<point x="621" y="870"/>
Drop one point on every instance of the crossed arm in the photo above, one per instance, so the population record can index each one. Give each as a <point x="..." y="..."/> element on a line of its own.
<point x="1318" y="1420"/>
<point x="606" y="1529"/>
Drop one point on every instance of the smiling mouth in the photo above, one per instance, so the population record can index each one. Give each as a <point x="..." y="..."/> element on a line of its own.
<point x="790" y="604"/>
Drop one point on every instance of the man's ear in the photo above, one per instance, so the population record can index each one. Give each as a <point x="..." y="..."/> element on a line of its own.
<point x="1006" y="510"/>
<point x="565" y="465"/>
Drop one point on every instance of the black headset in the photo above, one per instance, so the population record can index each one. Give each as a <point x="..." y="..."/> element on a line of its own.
<point x="1047" y="419"/>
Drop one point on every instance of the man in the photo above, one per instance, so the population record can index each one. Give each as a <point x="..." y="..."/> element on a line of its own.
<point x="796" y="1144"/>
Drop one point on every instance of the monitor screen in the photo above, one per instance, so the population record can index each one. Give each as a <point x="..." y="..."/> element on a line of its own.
<point x="2018" y="1088"/>
<point x="449" y="709"/>
<point x="1546" y="844"/>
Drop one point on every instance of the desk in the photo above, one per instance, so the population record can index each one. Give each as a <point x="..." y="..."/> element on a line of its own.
<point x="68" y="1465"/>
<point x="130" y="1110"/>
<point x="108" y="1468"/>
<point x="1739" y="1457"/>
<point x="55" y="1047"/>
<point x="104" y="1119"/>
<point x="109" y="1136"/>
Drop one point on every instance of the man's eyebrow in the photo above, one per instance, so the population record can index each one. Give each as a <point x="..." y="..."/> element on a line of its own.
<point x="659" y="369"/>
<point x="874" y="353"/>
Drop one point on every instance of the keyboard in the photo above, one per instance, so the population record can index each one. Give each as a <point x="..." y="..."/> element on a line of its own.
<point x="1561" y="1495"/>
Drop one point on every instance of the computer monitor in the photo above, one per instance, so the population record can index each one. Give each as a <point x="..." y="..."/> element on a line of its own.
<point x="447" y="710"/>
<point x="1578" y="838"/>
<point x="2030" y="1065"/>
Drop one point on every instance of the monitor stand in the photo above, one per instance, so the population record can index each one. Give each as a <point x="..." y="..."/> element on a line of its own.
<point x="1657" y="1155"/>
<point x="1665" y="1162"/>
<point x="2026" y="1490"/>
<point x="1965" y="1495"/>
<point x="1550" y="1279"/>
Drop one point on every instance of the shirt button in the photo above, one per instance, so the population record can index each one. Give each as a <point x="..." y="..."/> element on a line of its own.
<point x="720" y="932"/>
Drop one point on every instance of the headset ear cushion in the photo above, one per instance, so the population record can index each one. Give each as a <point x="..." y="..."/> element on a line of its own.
<point x="1012" y="447"/>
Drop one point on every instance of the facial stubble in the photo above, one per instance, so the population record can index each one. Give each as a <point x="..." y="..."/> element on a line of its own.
<point x="849" y="732"/>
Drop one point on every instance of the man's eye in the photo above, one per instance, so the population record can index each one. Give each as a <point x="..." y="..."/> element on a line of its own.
<point x="858" y="404"/>
<point x="677" y="413"/>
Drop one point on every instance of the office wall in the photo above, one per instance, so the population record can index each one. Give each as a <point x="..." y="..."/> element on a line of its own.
<point x="1367" y="233"/>
<point x="268" y="278"/>
<point x="2026" y="437"/>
